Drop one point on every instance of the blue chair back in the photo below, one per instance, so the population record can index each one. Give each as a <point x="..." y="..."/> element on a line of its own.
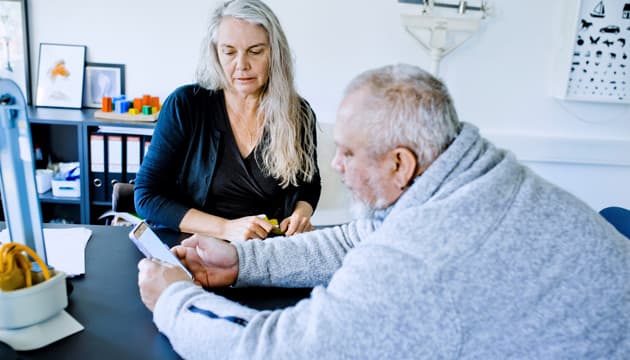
<point x="619" y="218"/>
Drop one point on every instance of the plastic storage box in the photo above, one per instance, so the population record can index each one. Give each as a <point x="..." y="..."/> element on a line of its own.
<point x="66" y="188"/>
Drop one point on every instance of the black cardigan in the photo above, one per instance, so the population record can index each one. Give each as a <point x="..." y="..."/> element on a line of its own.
<point x="177" y="171"/>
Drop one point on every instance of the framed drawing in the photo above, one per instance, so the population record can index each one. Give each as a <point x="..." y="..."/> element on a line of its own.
<point x="14" y="59"/>
<point x="60" y="75"/>
<point x="103" y="80"/>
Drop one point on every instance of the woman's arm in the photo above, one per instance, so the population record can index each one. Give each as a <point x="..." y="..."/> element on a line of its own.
<point x="306" y="195"/>
<point x="155" y="189"/>
<point x="249" y="227"/>
<point x="310" y="191"/>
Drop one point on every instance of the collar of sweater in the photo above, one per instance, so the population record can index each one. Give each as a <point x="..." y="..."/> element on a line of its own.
<point x="464" y="151"/>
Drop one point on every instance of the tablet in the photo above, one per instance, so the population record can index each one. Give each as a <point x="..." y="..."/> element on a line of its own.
<point x="152" y="247"/>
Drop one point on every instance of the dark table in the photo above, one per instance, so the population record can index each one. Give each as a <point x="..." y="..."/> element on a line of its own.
<point x="107" y="303"/>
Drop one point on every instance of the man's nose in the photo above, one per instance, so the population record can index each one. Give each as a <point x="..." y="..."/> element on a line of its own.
<point x="337" y="163"/>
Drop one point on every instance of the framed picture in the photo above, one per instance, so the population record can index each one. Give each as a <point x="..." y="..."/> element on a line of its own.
<point x="14" y="59"/>
<point x="103" y="80"/>
<point x="60" y="75"/>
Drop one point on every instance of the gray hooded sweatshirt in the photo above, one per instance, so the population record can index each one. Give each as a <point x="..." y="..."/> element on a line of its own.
<point x="479" y="259"/>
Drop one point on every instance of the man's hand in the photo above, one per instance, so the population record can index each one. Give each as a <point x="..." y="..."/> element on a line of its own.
<point x="299" y="221"/>
<point x="154" y="277"/>
<point x="212" y="262"/>
<point x="249" y="227"/>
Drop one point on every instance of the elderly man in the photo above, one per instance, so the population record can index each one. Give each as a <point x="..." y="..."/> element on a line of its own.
<point x="464" y="253"/>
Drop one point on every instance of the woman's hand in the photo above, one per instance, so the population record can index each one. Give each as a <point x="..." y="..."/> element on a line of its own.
<point x="154" y="277"/>
<point x="299" y="221"/>
<point x="249" y="227"/>
<point x="212" y="262"/>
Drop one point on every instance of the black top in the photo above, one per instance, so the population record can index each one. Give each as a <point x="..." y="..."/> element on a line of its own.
<point x="240" y="185"/>
<point x="185" y="159"/>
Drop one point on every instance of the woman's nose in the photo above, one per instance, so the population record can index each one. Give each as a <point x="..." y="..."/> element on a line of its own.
<point x="242" y="63"/>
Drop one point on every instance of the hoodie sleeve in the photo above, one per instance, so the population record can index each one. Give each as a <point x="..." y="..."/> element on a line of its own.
<point x="303" y="260"/>
<point x="353" y="317"/>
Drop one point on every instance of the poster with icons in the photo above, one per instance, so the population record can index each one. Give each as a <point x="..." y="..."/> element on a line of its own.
<point x="599" y="67"/>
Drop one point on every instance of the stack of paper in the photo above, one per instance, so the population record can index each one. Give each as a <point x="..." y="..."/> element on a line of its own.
<point x="65" y="248"/>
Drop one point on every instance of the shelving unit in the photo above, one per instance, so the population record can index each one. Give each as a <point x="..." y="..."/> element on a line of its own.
<point x="92" y="125"/>
<point x="58" y="133"/>
<point x="63" y="135"/>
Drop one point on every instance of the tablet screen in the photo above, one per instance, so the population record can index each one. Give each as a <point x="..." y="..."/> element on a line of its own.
<point x="152" y="247"/>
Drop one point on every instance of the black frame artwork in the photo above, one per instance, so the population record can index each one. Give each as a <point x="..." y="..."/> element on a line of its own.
<point x="102" y="80"/>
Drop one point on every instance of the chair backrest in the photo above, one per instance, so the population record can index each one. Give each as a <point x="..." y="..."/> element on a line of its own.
<point x="619" y="218"/>
<point x="122" y="198"/>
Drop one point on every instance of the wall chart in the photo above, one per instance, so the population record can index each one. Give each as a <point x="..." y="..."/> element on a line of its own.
<point x="597" y="67"/>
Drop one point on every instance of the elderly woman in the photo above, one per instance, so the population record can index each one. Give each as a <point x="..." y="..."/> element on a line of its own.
<point x="238" y="144"/>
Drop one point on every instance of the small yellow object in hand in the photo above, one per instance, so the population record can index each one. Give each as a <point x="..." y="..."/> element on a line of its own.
<point x="276" y="227"/>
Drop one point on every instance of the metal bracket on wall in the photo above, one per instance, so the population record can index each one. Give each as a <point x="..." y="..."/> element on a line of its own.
<point x="438" y="31"/>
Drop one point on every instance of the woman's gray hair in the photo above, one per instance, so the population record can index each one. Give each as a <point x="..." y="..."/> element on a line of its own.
<point x="288" y="145"/>
<point x="406" y="106"/>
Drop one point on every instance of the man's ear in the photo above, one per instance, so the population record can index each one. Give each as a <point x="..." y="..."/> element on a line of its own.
<point x="405" y="166"/>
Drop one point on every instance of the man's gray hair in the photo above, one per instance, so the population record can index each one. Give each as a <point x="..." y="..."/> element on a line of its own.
<point x="406" y="106"/>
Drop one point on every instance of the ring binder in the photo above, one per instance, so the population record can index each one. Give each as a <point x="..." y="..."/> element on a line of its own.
<point x="133" y="158"/>
<point x="114" y="162"/>
<point x="97" y="167"/>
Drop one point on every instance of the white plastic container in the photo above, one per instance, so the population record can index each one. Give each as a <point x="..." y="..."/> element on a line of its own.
<point x="32" y="305"/>
<point x="43" y="179"/>
<point x="66" y="188"/>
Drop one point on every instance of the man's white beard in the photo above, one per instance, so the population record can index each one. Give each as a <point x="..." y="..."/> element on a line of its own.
<point x="360" y="210"/>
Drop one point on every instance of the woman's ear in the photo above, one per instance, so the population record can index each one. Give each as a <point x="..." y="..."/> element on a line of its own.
<point x="405" y="166"/>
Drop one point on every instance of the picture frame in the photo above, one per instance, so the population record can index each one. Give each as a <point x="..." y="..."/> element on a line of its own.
<point x="14" y="55"/>
<point x="102" y="80"/>
<point x="60" y="75"/>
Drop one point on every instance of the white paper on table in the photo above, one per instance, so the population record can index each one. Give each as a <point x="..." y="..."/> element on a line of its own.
<point x="65" y="248"/>
<point x="41" y="334"/>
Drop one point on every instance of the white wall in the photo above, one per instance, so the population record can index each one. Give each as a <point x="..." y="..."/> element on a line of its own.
<point x="499" y="78"/>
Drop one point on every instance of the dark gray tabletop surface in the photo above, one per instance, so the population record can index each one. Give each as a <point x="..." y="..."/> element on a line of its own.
<point x="107" y="303"/>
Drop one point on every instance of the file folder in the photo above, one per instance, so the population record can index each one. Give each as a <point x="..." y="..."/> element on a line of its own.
<point x="97" y="168"/>
<point x="132" y="164"/>
<point x="114" y="162"/>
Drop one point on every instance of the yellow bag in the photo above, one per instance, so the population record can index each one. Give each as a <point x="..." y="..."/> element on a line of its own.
<point x="15" y="267"/>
